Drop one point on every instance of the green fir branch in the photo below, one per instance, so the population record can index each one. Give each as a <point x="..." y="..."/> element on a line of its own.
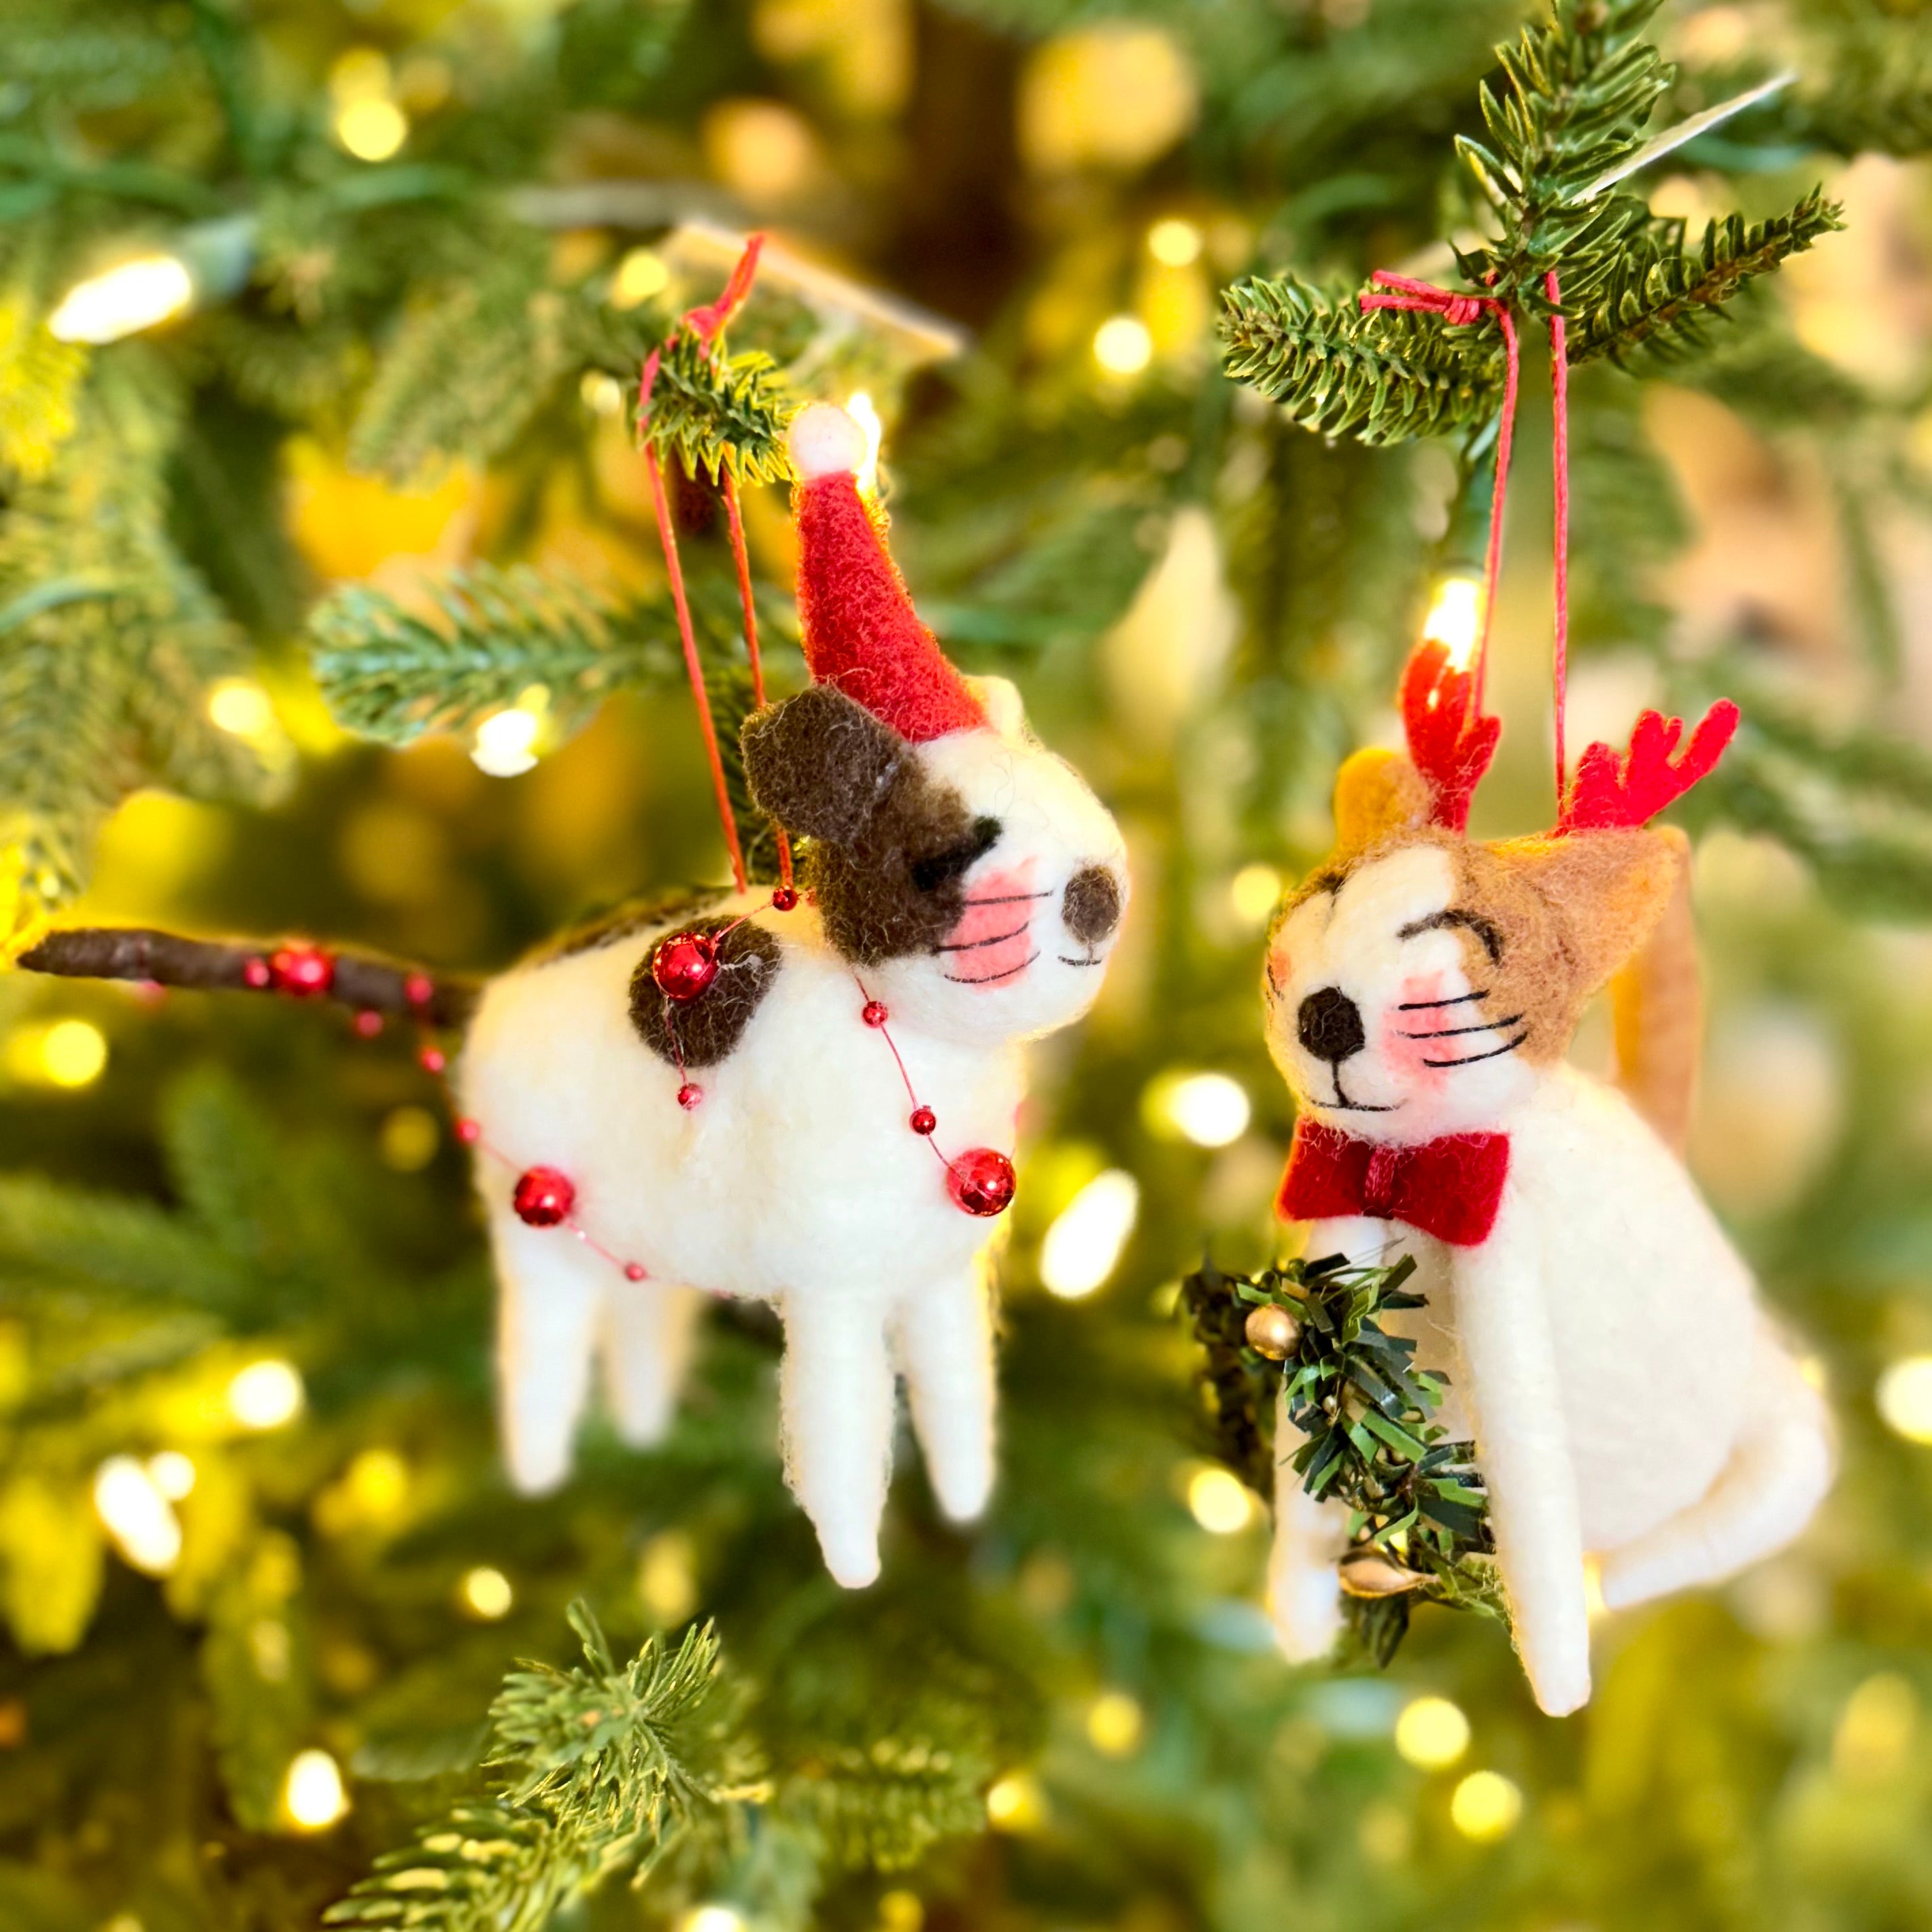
<point x="600" y="1767"/>
<point x="1382" y="376"/>
<point x="1659" y="298"/>
<point x="714" y="413"/>
<point x="389" y="673"/>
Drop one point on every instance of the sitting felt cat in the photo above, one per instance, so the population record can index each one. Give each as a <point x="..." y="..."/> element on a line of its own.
<point x="1630" y="1401"/>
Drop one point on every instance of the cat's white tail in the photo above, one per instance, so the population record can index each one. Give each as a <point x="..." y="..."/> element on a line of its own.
<point x="1779" y="1471"/>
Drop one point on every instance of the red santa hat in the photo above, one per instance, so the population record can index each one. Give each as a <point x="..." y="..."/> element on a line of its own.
<point x="860" y="631"/>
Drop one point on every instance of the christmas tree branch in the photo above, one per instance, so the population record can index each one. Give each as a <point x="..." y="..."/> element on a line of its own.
<point x="391" y="675"/>
<point x="1658" y="296"/>
<point x="1383" y="376"/>
<point x="600" y="1767"/>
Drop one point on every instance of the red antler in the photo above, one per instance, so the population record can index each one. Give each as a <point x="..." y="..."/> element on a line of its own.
<point x="1608" y="792"/>
<point x="1450" y="739"/>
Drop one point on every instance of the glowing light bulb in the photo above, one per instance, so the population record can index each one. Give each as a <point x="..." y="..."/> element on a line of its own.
<point x="1173" y="243"/>
<point x="1905" y="1398"/>
<point x="1085" y="1242"/>
<point x="372" y="129"/>
<point x="486" y="1593"/>
<point x="1219" y="1502"/>
<point x="1254" y="891"/>
<point x="137" y="1516"/>
<point x="503" y="743"/>
<point x="603" y="395"/>
<point x="265" y="1394"/>
<point x="1485" y="1807"/>
<point x="713" y="1918"/>
<point x="1455" y="619"/>
<point x="641" y="275"/>
<point x="1122" y="346"/>
<point x="172" y="1474"/>
<point x="123" y="300"/>
<point x="1210" y="1109"/>
<point x="859" y="407"/>
<point x="313" y="1794"/>
<point x="1016" y="1803"/>
<point x="1114" y="1723"/>
<point x="1431" y="1733"/>
<point x="72" y="1053"/>
<point x="241" y="708"/>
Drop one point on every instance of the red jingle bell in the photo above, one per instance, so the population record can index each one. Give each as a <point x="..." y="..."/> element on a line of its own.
<point x="981" y="1181"/>
<point x="874" y="1014"/>
<point x="684" y="965"/>
<point x="543" y="1197"/>
<point x="306" y="972"/>
<point x="783" y="899"/>
<point x="924" y="1120"/>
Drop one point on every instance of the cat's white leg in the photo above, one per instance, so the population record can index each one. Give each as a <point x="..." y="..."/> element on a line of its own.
<point x="837" y="1391"/>
<point x="550" y="1295"/>
<point x="944" y="1337"/>
<point x="1304" y="1589"/>
<point x="1779" y="1470"/>
<point x="648" y="1328"/>
<point x="1522" y="1446"/>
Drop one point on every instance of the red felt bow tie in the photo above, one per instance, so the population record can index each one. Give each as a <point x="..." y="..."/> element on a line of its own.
<point x="1451" y="1188"/>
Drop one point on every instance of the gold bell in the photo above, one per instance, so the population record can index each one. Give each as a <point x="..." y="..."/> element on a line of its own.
<point x="1272" y="1332"/>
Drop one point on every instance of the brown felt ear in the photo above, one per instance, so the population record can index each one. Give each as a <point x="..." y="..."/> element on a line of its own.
<point x="821" y="764"/>
<point x="1609" y="888"/>
<point x="1377" y="792"/>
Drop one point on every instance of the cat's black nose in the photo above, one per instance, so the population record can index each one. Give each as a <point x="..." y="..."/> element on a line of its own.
<point x="1091" y="904"/>
<point x="1329" y="1024"/>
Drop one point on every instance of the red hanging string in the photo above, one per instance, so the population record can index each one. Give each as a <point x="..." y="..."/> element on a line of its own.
<point x="707" y="323"/>
<point x="743" y="562"/>
<point x="1458" y="309"/>
<point x="1559" y="386"/>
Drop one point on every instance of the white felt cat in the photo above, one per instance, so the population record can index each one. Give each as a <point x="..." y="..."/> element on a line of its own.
<point x="1631" y="1403"/>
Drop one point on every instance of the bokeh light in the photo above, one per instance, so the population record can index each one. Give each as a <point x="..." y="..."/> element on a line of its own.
<point x="313" y="1793"/>
<point x="121" y="300"/>
<point x="1085" y="1243"/>
<point x="486" y="1593"/>
<point x="1905" y="1398"/>
<point x="1122" y="345"/>
<point x="136" y="1515"/>
<point x="1431" y="1733"/>
<point x="1220" y="1503"/>
<point x="265" y="1394"/>
<point x="1486" y="1806"/>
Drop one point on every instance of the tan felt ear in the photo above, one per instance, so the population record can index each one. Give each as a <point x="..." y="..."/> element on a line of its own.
<point x="1377" y="792"/>
<point x="1656" y="1005"/>
<point x="1608" y="888"/>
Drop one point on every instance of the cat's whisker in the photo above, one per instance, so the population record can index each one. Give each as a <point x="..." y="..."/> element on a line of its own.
<point x="1470" y="1059"/>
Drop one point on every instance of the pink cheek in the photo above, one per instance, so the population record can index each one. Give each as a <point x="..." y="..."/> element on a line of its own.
<point x="1279" y="967"/>
<point x="1407" y="1059"/>
<point x="992" y="943"/>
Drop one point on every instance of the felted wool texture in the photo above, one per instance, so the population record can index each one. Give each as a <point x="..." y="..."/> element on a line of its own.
<point x="656" y="912"/>
<point x="1656" y="1008"/>
<point x="857" y="621"/>
<point x="797" y="1180"/>
<point x="1627" y="1399"/>
<point x="699" y="1032"/>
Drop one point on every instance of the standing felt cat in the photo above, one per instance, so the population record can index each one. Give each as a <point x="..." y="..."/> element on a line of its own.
<point x="1631" y="1404"/>
<point x="964" y="888"/>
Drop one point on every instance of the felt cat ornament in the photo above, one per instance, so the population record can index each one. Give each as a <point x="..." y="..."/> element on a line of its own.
<point x="808" y="1099"/>
<point x="807" y="1103"/>
<point x="1631" y="1405"/>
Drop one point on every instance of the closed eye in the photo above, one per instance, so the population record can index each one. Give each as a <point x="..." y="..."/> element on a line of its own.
<point x="1485" y="930"/>
<point x="952" y="862"/>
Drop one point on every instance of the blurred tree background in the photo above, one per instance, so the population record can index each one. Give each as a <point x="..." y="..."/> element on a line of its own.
<point x="316" y="321"/>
